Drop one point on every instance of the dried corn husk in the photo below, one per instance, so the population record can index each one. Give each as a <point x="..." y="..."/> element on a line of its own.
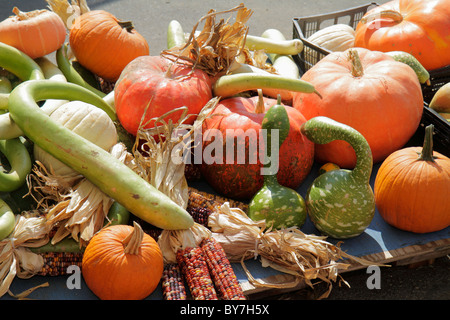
<point x="15" y="257"/>
<point x="215" y="48"/>
<point x="306" y="256"/>
<point x="81" y="214"/>
<point x="159" y="160"/>
<point x="68" y="12"/>
<point x="170" y="241"/>
<point x="159" y="152"/>
<point x="73" y="207"/>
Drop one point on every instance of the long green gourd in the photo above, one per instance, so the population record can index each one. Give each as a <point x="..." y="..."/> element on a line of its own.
<point x="408" y="59"/>
<point x="18" y="63"/>
<point x="7" y="220"/>
<point x="25" y="68"/>
<point x="340" y="202"/>
<point x="20" y="162"/>
<point x="109" y="174"/>
<point x="71" y="73"/>
<point x="280" y="206"/>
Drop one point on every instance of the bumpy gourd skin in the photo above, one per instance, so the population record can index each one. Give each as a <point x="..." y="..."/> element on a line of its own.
<point x="341" y="202"/>
<point x="280" y="206"/>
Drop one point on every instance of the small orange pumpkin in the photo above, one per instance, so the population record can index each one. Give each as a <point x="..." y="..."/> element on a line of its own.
<point x="35" y="33"/>
<point x="104" y="44"/>
<point x="412" y="188"/>
<point x="122" y="262"/>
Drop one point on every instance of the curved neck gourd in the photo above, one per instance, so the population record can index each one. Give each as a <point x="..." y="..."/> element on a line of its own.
<point x="323" y="130"/>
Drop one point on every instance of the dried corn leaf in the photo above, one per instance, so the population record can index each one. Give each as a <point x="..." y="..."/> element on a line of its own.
<point x="15" y="257"/>
<point x="170" y="241"/>
<point x="215" y="48"/>
<point x="160" y="152"/>
<point x="46" y="188"/>
<point x="81" y="215"/>
<point x="73" y="207"/>
<point x="306" y="256"/>
<point x="68" y="12"/>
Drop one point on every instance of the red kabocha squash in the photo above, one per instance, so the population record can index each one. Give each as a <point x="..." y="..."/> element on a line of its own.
<point x="418" y="27"/>
<point x="240" y="178"/>
<point x="104" y="44"/>
<point x="121" y="262"/>
<point x="412" y="188"/>
<point x="153" y="85"/>
<point x="368" y="91"/>
<point x="36" y="33"/>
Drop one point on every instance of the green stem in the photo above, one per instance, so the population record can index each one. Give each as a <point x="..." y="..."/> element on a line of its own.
<point x="427" y="150"/>
<point x="128" y="25"/>
<point x="357" y="69"/>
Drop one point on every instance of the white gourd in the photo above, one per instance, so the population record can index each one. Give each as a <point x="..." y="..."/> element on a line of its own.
<point x="338" y="37"/>
<point x="86" y="120"/>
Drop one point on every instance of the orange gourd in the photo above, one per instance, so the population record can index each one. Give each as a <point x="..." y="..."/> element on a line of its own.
<point x="104" y="44"/>
<point x="35" y="33"/>
<point x="368" y="91"/>
<point x="418" y="27"/>
<point x="236" y="173"/>
<point x="412" y="188"/>
<point x="122" y="262"/>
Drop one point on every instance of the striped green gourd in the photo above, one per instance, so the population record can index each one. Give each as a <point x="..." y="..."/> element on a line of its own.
<point x="280" y="206"/>
<point x="340" y="203"/>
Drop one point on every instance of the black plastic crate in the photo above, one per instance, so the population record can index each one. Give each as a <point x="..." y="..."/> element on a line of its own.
<point x="306" y="26"/>
<point x="438" y="78"/>
<point x="441" y="137"/>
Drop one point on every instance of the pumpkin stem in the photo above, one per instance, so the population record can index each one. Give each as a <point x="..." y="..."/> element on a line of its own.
<point x="260" y="104"/>
<point x="25" y="15"/>
<point x="389" y="14"/>
<point x="133" y="241"/>
<point x="128" y="25"/>
<point x="427" y="150"/>
<point x="357" y="69"/>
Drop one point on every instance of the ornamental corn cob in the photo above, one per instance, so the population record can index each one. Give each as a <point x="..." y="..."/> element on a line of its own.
<point x="172" y="283"/>
<point x="202" y="204"/>
<point x="225" y="280"/>
<point x="56" y="263"/>
<point x="195" y="270"/>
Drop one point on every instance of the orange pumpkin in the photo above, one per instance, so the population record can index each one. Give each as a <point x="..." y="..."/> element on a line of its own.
<point x="105" y="45"/>
<point x="418" y="27"/>
<point x="411" y="191"/>
<point x="36" y="33"/>
<point x="151" y="86"/>
<point x="122" y="262"/>
<point x="368" y="91"/>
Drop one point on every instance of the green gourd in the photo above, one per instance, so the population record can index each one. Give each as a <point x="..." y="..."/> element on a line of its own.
<point x="340" y="202"/>
<point x="410" y="60"/>
<point x="280" y="206"/>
